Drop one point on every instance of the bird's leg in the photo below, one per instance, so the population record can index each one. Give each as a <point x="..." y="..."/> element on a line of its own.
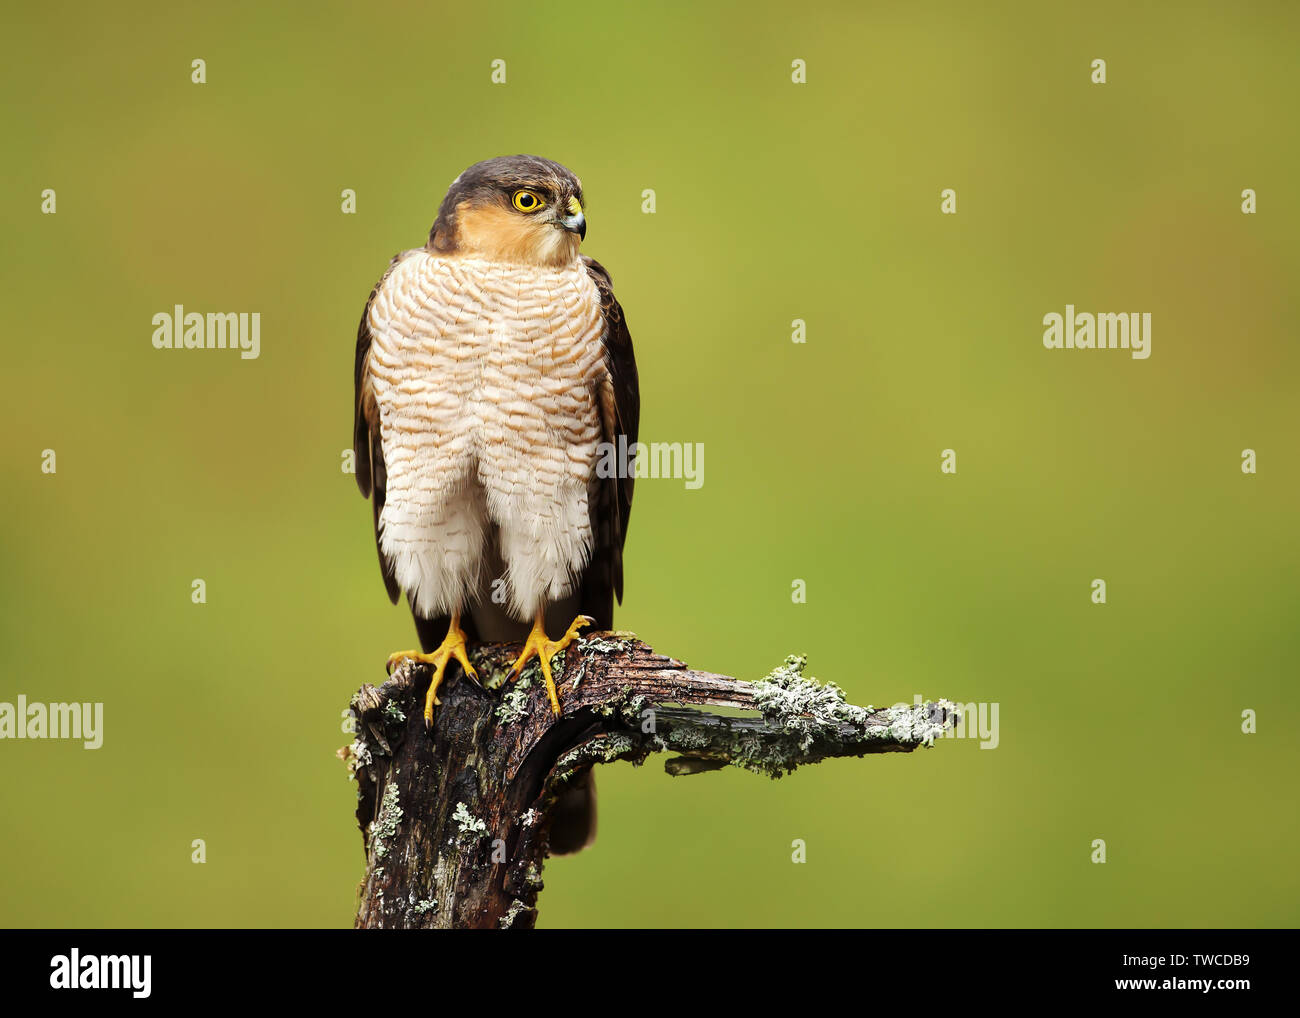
<point x="537" y="645"/>
<point x="453" y="646"/>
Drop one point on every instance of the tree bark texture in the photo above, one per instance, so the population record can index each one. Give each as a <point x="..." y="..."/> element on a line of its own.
<point x="455" y="820"/>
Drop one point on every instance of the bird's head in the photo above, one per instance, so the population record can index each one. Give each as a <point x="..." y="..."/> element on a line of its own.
<point x="515" y="209"/>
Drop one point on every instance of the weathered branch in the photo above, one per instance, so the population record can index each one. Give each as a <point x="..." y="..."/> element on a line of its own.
<point x="455" y="821"/>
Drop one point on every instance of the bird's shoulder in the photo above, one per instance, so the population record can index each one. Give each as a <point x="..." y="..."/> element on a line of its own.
<point x="601" y="277"/>
<point x="406" y="280"/>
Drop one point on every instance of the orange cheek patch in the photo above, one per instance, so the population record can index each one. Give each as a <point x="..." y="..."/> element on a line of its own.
<point x="509" y="236"/>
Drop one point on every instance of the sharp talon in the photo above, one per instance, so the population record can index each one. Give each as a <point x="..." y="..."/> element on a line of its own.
<point x="451" y="648"/>
<point x="466" y="667"/>
<point x="544" y="649"/>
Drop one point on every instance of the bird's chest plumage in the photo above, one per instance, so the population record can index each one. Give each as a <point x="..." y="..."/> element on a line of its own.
<point x="486" y="377"/>
<point x="500" y="361"/>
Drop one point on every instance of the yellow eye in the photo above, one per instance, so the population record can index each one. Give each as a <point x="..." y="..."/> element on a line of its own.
<point x="527" y="201"/>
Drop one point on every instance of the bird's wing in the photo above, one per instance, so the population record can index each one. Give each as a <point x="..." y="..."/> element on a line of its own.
<point x="367" y="447"/>
<point x="619" y="400"/>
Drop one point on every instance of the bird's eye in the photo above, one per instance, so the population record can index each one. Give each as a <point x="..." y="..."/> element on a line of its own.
<point x="527" y="201"/>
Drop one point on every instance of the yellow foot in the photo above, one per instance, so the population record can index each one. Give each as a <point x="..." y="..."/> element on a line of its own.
<point x="537" y="645"/>
<point x="452" y="648"/>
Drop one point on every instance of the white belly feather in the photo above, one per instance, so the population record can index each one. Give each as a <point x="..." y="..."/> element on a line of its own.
<point x="484" y="376"/>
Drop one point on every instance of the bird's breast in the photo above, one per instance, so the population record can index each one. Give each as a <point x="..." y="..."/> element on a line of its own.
<point x="486" y="365"/>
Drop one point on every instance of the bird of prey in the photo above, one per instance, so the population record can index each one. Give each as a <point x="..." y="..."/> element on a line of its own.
<point x="493" y="369"/>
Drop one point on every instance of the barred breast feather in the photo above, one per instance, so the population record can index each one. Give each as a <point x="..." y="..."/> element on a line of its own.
<point x="487" y="380"/>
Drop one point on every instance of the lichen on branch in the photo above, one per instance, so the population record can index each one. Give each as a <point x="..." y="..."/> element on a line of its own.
<point x="455" y="821"/>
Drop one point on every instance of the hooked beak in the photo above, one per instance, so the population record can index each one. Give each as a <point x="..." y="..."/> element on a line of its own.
<point x="575" y="221"/>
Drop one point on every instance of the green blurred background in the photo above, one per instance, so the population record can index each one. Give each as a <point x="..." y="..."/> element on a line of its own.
<point x="776" y="201"/>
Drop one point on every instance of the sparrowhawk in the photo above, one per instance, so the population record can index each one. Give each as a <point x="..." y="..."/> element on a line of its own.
<point x="493" y="367"/>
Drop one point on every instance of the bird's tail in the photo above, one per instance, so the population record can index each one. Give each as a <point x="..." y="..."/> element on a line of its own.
<point x="573" y="822"/>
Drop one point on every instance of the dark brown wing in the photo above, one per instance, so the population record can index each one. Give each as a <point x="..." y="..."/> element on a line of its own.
<point x="611" y="507"/>
<point x="573" y="824"/>
<point x="367" y="449"/>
